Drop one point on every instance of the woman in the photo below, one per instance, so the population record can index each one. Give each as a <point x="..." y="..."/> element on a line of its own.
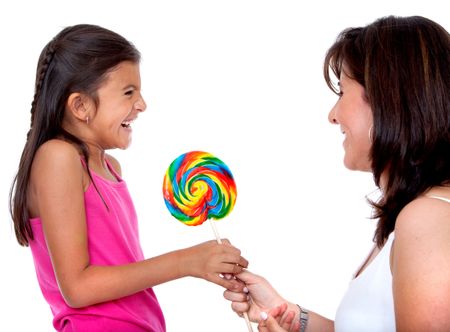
<point x="393" y="108"/>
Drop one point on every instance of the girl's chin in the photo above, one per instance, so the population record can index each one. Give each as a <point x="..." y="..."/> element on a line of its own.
<point x="124" y="146"/>
<point x="125" y="138"/>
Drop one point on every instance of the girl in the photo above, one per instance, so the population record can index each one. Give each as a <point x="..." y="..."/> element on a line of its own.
<point x="70" y="204"/>
<point x="394" y="110"/>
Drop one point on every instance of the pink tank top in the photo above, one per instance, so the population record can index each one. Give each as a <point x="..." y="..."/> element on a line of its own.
<point x="113" y="239"/>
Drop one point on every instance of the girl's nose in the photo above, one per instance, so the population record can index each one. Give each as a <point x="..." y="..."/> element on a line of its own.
<point x="140" y="105"/>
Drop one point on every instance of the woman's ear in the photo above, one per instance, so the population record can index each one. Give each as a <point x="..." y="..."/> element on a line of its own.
<point x="77" y="105"/>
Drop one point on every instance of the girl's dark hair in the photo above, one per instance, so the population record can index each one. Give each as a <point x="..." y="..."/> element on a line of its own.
<point x="75" y="60"/>
<point x="403" y="64"/>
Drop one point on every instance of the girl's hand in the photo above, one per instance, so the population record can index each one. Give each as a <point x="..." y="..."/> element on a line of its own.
<point x="211" y="261"/>
<point x="279" y="320"/>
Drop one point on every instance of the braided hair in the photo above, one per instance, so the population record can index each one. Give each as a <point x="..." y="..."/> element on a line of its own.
<point x="76" y="60"/>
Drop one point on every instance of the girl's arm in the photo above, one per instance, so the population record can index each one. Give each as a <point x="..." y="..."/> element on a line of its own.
<point x="421" y="266"/>
<point x="57" y="197"/>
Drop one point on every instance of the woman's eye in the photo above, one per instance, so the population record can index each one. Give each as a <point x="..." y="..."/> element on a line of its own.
<point x="338" y="89"/>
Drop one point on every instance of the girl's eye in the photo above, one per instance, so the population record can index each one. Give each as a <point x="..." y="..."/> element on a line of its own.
<point x="129" y="92"/>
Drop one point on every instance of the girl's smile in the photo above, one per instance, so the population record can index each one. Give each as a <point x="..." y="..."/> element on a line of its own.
<point x="119" y="103"/>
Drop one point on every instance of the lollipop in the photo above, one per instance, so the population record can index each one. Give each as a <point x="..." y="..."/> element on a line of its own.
<point x="199" y="187"/>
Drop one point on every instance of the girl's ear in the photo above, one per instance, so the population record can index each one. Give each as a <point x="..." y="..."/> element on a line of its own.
<point x="77" y="105"/>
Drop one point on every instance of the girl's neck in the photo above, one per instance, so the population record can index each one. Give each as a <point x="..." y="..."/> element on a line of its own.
<point x="95" y="151"/>
<point x="96" y="155"/>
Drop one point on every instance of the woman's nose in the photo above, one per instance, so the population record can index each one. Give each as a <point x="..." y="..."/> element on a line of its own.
<point x="332" y="116"/>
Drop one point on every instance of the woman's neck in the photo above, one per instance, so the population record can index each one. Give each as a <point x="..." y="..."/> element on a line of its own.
<point x="383" y="181"/>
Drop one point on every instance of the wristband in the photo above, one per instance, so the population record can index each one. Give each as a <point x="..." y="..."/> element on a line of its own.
<point x="304" y="316"/>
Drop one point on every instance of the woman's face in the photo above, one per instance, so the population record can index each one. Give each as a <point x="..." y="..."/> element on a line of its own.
<point x="353" y="114"/>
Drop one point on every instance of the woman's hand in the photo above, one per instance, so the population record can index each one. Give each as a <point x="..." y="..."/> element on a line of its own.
<point x="279" y="319"/>
<point x="257" y="296"/>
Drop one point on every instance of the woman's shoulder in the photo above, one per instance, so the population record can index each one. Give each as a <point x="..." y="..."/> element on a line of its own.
<point x="420" y="256"/>
<point x="428" y="213"/>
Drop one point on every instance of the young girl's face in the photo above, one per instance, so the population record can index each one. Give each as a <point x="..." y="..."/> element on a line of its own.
<point x="120" y="102"/>
<point x="354" y="115"/>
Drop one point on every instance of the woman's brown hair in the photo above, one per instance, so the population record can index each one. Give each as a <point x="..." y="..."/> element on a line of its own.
<point x="75" y="60"/>
<point x="403" y="63"/>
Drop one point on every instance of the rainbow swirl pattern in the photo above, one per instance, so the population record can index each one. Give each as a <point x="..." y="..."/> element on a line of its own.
<point x="198" y="186"/>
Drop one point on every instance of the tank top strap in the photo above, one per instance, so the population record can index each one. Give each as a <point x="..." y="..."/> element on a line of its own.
<point x="439" y="197"/>
<point x="108" y="164"/>
<point x="113" y="171"/>
<point x="83" y="162"/>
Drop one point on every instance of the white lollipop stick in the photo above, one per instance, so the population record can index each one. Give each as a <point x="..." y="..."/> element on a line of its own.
<point x="216" y="233"/>
<point x="247" y="320"/>
<point x="219" y="241"/>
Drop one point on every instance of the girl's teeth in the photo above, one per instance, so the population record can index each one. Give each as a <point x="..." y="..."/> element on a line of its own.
<point x="127" y="123"/>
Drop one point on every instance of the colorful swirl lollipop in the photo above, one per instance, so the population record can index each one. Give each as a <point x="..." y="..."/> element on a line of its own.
<point x="198" y="186"/>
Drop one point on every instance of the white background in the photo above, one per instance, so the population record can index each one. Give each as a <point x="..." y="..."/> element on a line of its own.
<point x="241" y="80"/>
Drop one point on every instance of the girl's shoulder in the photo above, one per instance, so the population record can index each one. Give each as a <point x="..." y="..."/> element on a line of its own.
<point x="56" y="171"/>
<point x="59" y="147"/>
<point x="57" y="153"/>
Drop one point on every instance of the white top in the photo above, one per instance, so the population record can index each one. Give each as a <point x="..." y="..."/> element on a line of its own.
<point x="368" y="304"/>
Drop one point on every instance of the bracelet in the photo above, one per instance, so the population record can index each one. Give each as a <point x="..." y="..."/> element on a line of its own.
<point x="304" y="316"/>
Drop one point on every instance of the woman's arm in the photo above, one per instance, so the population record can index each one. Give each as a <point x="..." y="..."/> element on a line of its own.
<point x="57" y="196"/>
<point x="421" y="266"/>
<point x="264" y="297"/>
